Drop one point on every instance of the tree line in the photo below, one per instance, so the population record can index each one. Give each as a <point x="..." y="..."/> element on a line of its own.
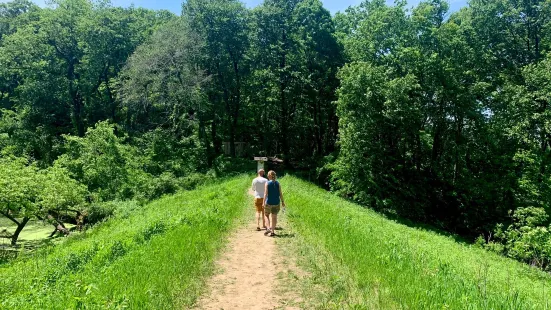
<point x="434" y="116"/>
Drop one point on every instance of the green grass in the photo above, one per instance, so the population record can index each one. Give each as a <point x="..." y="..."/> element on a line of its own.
<point x="156" y="258"/>
<point x="358" y="259"/>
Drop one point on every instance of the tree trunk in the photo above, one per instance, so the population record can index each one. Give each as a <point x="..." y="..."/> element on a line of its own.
<point x="232" y="140"/>
<point x="204" y="137"/>
<point x="282" y="89"/>
<point x="236" y="104"/>
<point x="226" y="95"/>
<point x="215" y="141"/>
<point x="112" y="103"/>
<point x="20" y="226"/>
<point x="319" y="128"/>
<point x="57" y="224"/>
<point x="76" y="99"/>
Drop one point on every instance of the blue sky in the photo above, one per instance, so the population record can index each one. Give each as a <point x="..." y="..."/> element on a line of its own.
<point x="175" y="5"/>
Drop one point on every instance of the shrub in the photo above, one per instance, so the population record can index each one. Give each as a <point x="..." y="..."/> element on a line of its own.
<point x="225" y="166"/>
<point x="153" y="229"/>
<point x="527" y="238"/>
<point x="166" y="183"/>
<point x="126" y="208"/>
<point x="97" y="160"/>
<point x="193" y="180"/>
<point x="99" y="211"/>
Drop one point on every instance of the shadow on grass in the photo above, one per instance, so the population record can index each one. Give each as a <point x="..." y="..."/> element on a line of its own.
<point x="389" y="215"/>
<point x="24" y="246"/>
<point x="285" y="235"/>
<point x="424" y="227"/>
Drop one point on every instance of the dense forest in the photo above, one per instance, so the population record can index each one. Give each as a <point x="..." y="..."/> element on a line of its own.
<point x="442" y="118"/>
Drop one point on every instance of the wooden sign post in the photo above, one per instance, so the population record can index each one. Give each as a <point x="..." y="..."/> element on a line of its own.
<point x="260" y="162"/>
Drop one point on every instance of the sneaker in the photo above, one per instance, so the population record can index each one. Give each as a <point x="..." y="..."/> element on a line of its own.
<point x="267" y="232"/>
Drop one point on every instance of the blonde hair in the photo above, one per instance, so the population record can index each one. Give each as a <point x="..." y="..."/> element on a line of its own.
<point x="272" y="175"/>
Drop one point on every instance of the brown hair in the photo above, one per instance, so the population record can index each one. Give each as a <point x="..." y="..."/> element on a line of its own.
<point x="272" y="175"/>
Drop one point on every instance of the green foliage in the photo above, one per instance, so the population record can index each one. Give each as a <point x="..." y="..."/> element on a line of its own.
<point x="157" y="256"/>
<point x="161" y="79"/>
<point x="112" y="169"/>
<point x="98" y="212"/>
<point x="528" y="237"/>
<point x="60" y="66"/>
<point x="224" y="26"/>
<point x="224" y="165"/>
<point x="294" y="61"/>
<point x="20" y="187"/>
<point x="444" y="120"/>
<point x="97" y="160"/>
<point x="60" y="192"/>
<point x="28" y="192"/>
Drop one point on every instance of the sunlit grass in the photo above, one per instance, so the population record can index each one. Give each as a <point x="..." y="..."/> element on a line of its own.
<point x="35" y="230"/>
<point x="369" y="262"/>
<point x="156" y="258"/>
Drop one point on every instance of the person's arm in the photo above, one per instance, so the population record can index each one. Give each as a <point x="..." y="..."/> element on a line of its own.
<point x="252" y="185"/>
<point x="281" y="195"/>
<point x="265" y="194"/>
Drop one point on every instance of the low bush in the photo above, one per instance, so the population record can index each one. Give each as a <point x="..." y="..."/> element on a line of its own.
<point x="527" y="238"/>
<point x="98" y="212"/>
<point x="226" y="166"/>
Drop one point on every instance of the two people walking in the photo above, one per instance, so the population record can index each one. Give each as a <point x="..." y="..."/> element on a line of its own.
<point x="268" y="200"/>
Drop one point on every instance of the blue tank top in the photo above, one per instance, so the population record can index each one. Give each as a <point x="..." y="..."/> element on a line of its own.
<point x="273" y="193"/>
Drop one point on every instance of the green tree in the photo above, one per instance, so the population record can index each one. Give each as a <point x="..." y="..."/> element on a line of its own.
<point x="66" y="62"/>
<point x="527" y="119"/>
<point x="97" y="160"/>
<point x="294" y="60"/>
<point x="60" y="195"/>
<point x="162" y="90"/>
<point x="19" y="189"/>
<point x="431" y="154"/>
<point x="223" y="23"/>
<point x="13" y="15"/>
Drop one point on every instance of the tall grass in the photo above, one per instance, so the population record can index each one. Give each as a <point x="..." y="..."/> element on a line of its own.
<point x="370" y="262"/>
<point x="154" y="258"/>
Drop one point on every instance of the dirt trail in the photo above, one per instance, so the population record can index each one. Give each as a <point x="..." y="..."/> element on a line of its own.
<point x="248" y="274"/>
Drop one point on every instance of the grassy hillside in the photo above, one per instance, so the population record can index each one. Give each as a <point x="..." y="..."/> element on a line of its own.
<point x="157" y="257"/>
<point x="153" y="258"/>
<point x="369" y="262"/>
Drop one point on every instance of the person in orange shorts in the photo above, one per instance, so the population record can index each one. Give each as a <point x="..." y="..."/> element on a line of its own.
<point x="258" y="187"/>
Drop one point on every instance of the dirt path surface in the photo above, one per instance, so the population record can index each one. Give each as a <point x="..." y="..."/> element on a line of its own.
<point x="249" y="273"/>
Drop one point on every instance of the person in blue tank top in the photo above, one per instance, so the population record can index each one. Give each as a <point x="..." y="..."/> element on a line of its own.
<point x="273" y="197"/>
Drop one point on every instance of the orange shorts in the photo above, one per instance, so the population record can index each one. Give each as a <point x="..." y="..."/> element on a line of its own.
<point x="258" y="202"/>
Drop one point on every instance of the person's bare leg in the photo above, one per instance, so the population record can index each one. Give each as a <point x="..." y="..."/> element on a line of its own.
<point x="263" y="220"/>
<point x="267" y="217"/>
<point x="274" y="222"/>
<point x="258" y="215"/>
